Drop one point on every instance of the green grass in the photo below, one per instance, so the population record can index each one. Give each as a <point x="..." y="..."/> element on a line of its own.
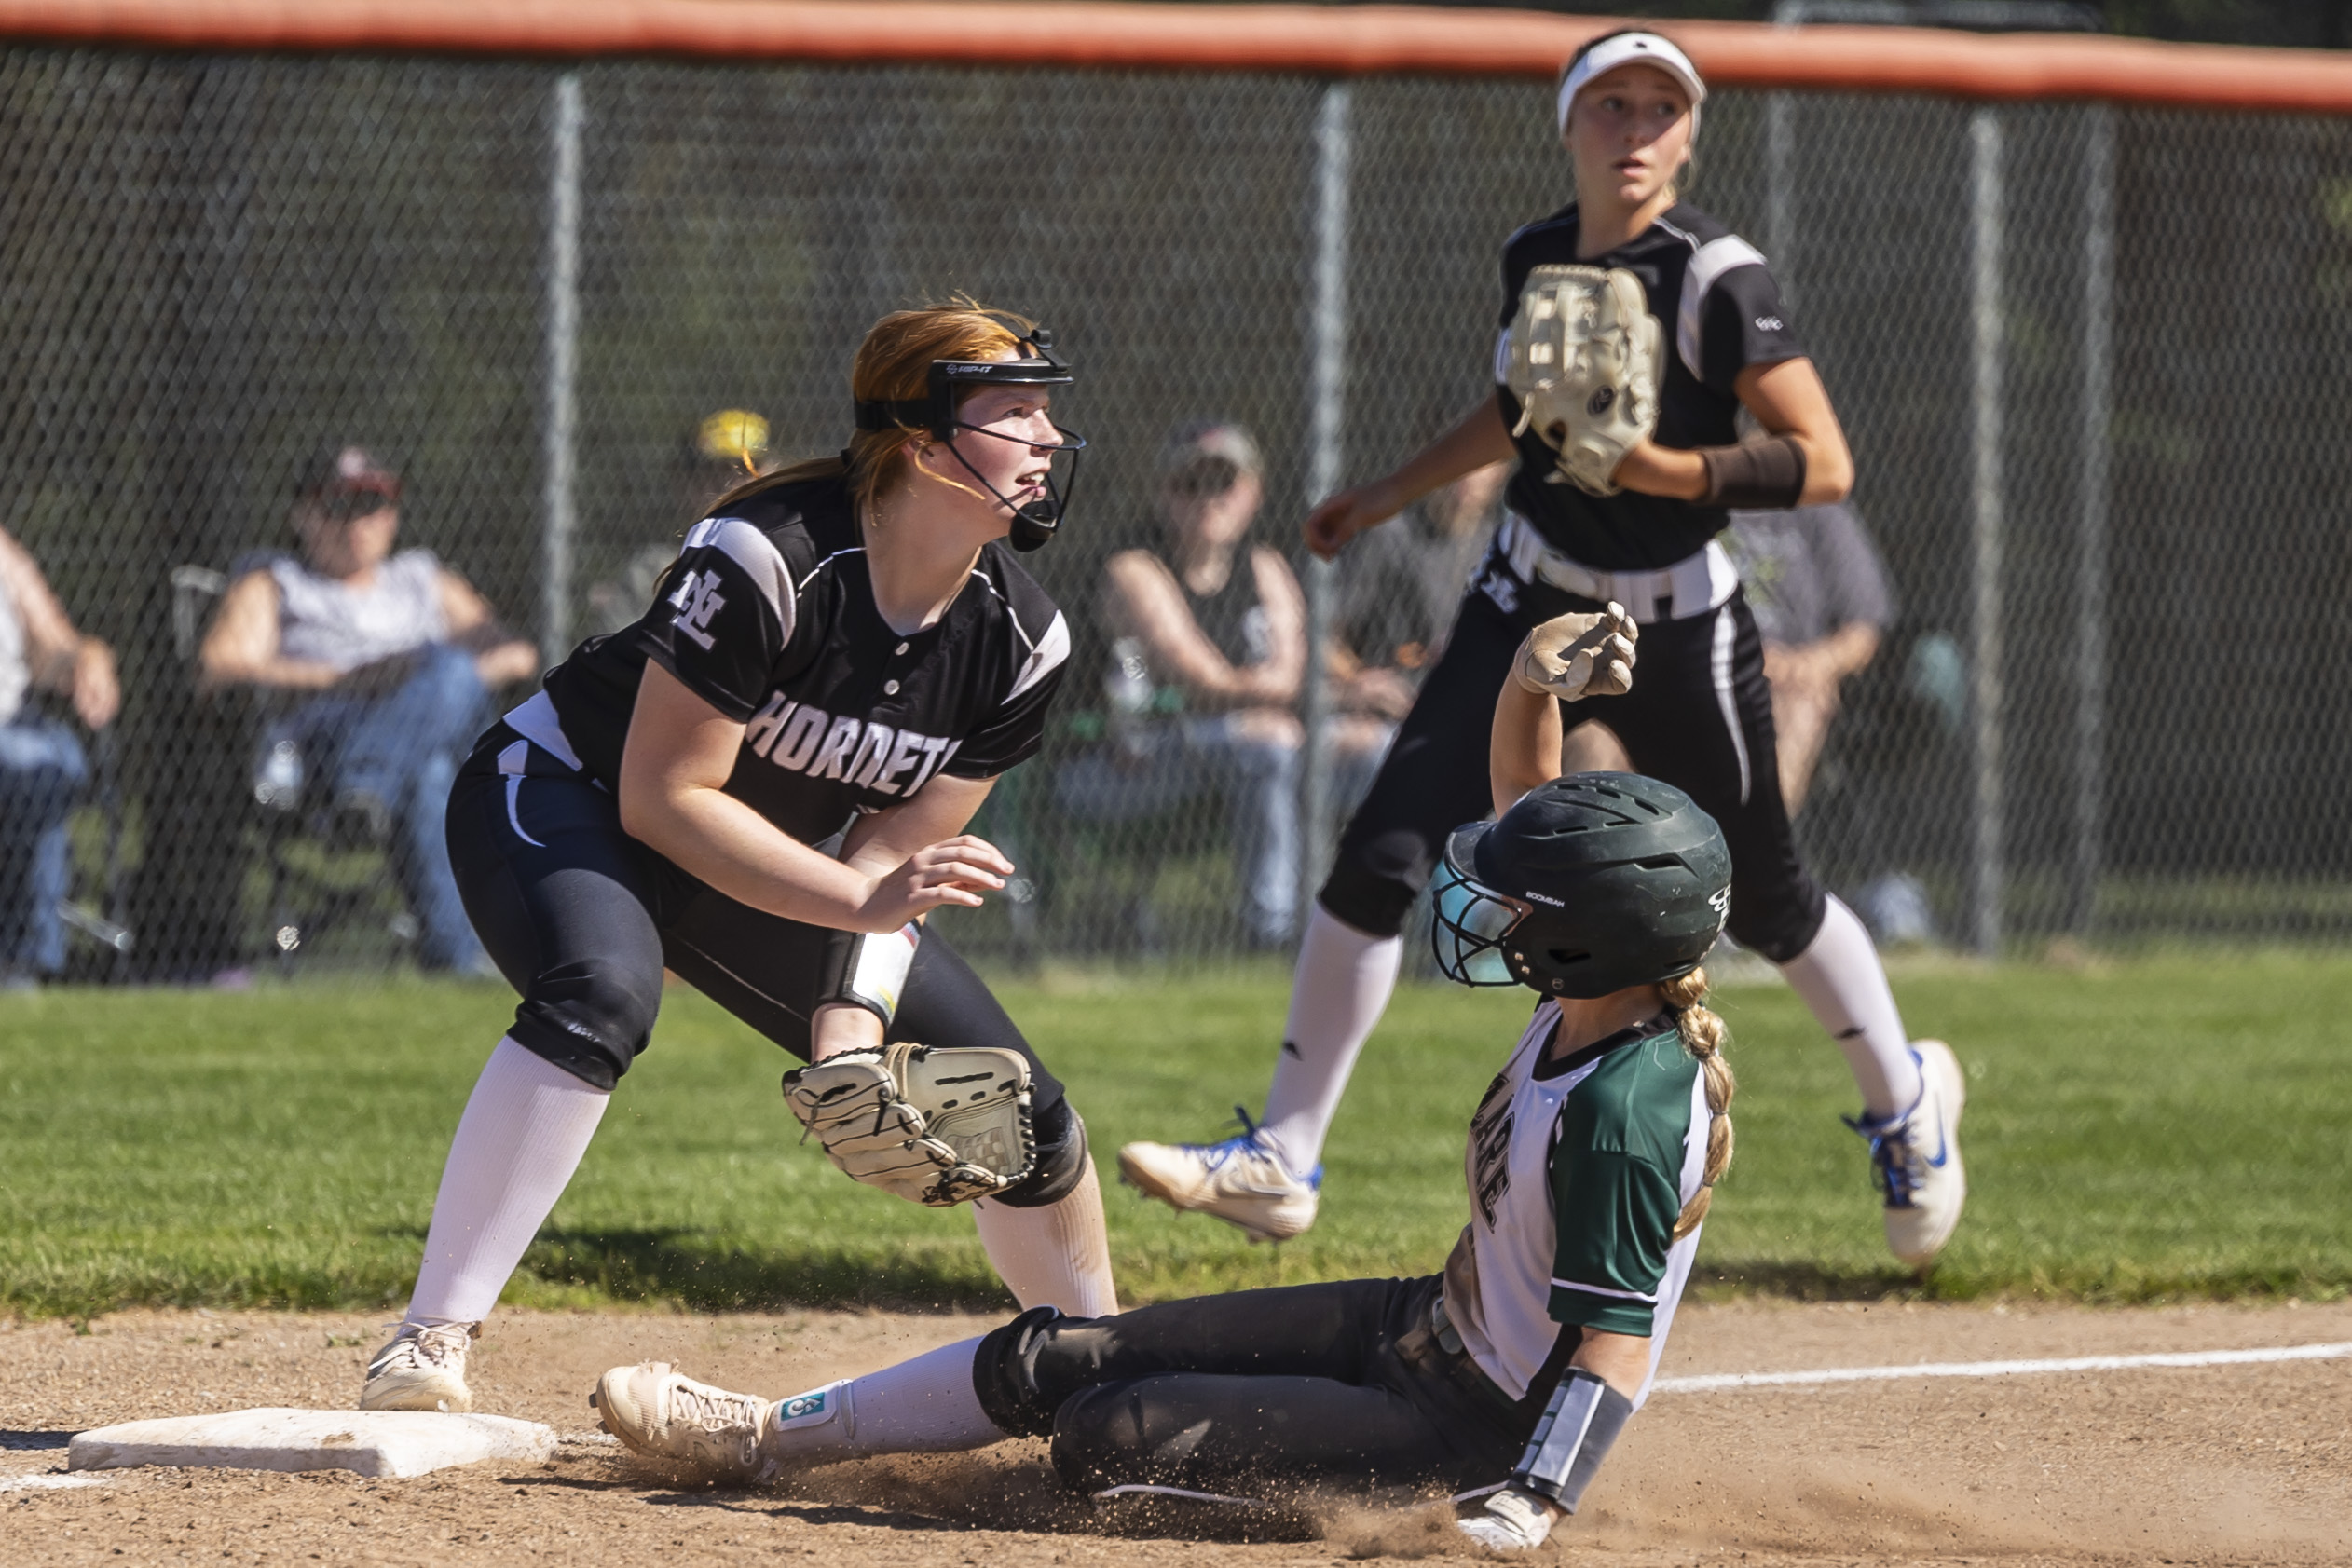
<point x="2170" y="1125"/>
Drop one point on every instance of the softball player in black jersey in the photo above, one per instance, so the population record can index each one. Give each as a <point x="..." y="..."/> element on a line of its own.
<point x="1505" y="1379"/>
<point x="1698" y="715"/>
<point x="844" y="652"/>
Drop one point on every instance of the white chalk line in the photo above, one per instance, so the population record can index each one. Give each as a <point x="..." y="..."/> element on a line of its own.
<point x="1717" y="1383"/>
<point x="48" y="1482"/>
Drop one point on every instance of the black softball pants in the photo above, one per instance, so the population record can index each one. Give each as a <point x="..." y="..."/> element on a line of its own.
<point x="582" y="919"/>
<point x="1699" y="717"/>
<point x="1339" y="1381"/>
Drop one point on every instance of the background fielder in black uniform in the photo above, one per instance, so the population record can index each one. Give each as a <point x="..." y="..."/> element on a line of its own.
<point x="845" y="651"/>
<point x="1698" y="715"/>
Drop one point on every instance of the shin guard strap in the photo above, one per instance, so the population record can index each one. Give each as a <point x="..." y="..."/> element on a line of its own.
<point x="1582" y="1419"/>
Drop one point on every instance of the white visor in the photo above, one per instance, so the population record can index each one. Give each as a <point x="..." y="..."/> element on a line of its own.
<point x="1626" y="49"/>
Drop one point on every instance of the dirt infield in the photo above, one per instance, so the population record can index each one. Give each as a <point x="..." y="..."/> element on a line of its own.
<point x="2249" y="1463"/>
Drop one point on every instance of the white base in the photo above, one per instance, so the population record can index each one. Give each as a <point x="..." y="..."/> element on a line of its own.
<point x="372" y="1443"/>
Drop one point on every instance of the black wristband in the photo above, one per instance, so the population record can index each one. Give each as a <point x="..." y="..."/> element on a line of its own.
<point x="1768" y="473"/>
<point x="1569" y="1444"/>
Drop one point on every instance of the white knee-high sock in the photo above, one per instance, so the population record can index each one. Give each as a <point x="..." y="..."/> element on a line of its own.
<point x="523" y="1133"/>
<point x="1841" y="980"/>
<point x="1057" y="1256"/>
<point x="1342" y="986"/>
<point x="925" y="1405"/>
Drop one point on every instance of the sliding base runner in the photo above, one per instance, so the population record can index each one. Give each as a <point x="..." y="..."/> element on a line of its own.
<point x="1503" y="1380"/>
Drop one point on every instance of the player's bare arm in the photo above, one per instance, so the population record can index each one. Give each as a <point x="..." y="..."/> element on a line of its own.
<point x="902" y="843"/>
<point x="674" y="771"/>
<point x="1478" y="438"/>
<point x="1788" y="401"/>
<point x="1525" y="749"/>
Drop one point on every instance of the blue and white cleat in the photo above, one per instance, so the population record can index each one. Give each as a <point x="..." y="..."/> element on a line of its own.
<point x="1915" y="1159"/>
<point x="1242" y="1181"/>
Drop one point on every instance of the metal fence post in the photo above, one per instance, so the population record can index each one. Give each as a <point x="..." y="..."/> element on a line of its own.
<point x="1326" y="463"/>
<point x="1985" y="883"/>
<point x="2090" y="627"/>
<point x="558" y="518"/>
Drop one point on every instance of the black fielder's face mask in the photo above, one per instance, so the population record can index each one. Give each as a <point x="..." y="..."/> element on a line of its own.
<point x="950" y="382"/>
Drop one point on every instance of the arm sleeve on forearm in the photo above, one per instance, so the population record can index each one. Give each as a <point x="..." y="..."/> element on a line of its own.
<point x="1569" y="1443"/>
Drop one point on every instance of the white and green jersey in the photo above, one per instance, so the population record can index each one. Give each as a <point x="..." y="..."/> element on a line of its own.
<point x="1577" y="1169"/>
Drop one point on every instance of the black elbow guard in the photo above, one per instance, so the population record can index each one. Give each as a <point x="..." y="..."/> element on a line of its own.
<point x="867" y="971"/>
<point x="1582" y="1419"/>
<point x="1768" y="474"/>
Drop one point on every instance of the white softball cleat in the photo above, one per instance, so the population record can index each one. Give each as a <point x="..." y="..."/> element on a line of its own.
<point x="423" y="1369"/>
<point x="1915" y="1159"/>
<point x="1241" y="1181"/>
<point x="1511" y="1521"/>
<point x="656" y="1411"/>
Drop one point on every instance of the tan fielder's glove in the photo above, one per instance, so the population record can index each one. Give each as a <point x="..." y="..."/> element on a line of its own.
<point x="1586" y="356"/>
<point x="936" y="1125"/>
<point x="1573" y="657"/>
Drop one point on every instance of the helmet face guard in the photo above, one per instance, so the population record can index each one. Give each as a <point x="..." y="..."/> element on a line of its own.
<point x="936" y="414"/>
<point x="1470" y="918"/>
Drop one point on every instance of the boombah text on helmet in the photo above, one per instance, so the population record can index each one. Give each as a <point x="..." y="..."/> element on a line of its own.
<point x="1587" y="885"/>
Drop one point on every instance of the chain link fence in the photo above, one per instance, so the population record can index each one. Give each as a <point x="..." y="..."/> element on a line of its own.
<point x="2092" y="362"/>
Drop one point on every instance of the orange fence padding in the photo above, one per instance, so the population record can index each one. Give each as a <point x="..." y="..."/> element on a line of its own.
<point x="1337" y="40"/>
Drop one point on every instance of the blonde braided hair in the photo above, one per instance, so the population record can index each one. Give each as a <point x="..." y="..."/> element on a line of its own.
<point x="1703" y="1035"/>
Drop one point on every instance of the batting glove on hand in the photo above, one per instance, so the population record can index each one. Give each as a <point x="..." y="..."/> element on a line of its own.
<point x="1512" y="1520"/>
<point x="1572" y="656"/>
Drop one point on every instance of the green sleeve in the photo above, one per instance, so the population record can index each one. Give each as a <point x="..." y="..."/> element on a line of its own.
<point x="1616" y="1214"/>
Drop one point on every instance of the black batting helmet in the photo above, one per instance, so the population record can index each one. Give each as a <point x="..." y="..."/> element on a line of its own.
<point x="1588" y="885"/>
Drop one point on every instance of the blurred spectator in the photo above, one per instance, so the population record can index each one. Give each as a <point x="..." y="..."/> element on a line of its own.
<point x="391" y="658"/>
<point x="719" y="452"/>
<point x="42" y="766"/>
<point x="1399" y="587"/>
<point x="1209" y="653"/>
<point x="1822" y="605"/>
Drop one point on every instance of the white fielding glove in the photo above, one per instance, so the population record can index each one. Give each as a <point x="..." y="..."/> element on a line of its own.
<point x="1512" y="1520"/>
<point x="1573" y="657"/>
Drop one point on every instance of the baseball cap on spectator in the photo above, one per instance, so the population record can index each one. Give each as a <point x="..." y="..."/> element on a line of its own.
<point x="1204" y="456"/>
<point x="346" y="481"/>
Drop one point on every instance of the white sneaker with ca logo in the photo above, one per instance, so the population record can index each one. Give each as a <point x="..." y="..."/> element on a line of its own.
<point x="660" y="1413"/>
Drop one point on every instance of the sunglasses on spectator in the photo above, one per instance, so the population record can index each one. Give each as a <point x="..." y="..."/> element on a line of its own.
<point x="1207" y="476"/>
<point x="350" y="505"/>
